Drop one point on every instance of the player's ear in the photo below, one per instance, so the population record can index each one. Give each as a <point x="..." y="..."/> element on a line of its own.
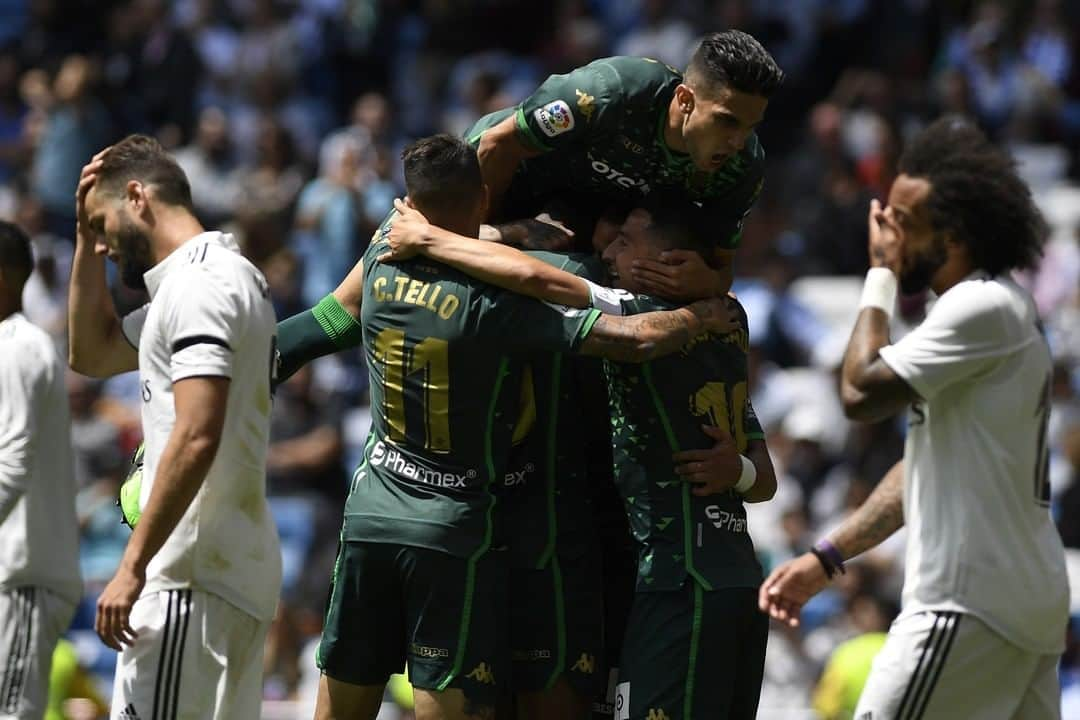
<point x="135" y="194"/>
<point x="685" y="98"/>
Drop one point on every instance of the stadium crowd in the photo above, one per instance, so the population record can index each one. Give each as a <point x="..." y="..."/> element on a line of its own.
<point x="288" y="118"/>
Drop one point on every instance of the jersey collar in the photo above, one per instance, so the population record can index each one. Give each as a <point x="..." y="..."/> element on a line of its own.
<point x="185" y="255"/>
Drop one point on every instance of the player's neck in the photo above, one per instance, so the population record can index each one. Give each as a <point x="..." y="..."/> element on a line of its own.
<point x="9" y="306"/>
<point x="673" y="127"/>
<point x="174" y="228"/>
<point x="952" y="272"/>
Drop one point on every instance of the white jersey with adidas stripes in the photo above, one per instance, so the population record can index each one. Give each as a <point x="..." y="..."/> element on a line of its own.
<point x="210" y="315"/>
<point x="976" y="498"/>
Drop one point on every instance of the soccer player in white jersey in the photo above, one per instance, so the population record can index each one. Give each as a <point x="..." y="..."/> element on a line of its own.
<point x="198" y="583"/>
<point x="39" y="546"/>
<point x="985" y="597"/>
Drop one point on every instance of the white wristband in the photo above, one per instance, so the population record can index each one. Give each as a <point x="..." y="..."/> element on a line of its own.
<point x="748" y="476"/>
<point x="879" y="290"/>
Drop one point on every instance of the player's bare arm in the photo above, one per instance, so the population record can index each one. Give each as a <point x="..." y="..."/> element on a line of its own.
<point x="193" y="443"/>
<point x="495" y="264"/>
<point x="718" y="469"/>
<point x="638" y="338"/>
<point x="500" y="152"/>
<point x="539" y="233"/>
<point x="869" y="388"/>
<point x="350" y="291"/>
<point x="96" y="344"/>
<point x="683" y="275"/>
<point x="791" y="585"/>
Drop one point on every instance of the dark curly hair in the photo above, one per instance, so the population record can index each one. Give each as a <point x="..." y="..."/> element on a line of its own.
<point x="976" y="195"/>
<point x="733" y="58"/>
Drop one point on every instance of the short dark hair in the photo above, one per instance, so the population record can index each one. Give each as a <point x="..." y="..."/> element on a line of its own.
<point x="678" y="223"/>
<point x="16" y="257"/>
<point x="977" y="195"/>
<point x="142" y="158"/>
<point x="442" y="174"/>
<point x="735" y="59"/>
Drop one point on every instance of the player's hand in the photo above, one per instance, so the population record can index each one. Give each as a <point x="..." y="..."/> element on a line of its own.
<point x="83" y="232"/>
<point x="710" y="471"/>
<point x="790" y="586"/>
<point x="717" y="315"/>
<point x="886" y="238"/>
<point x="113" y="622"/>
<point x="406" y="235"/>
<point x="677" y="275"/>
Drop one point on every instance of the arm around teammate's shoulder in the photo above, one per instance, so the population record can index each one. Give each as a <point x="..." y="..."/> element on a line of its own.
<point x="649" y="335"/>
<point x="500" y="152"/>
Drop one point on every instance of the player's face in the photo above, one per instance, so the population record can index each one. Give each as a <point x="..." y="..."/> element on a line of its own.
<point x="632" y="242"/>
<point x="717" y="122"/>
<point x="119" y="238"/>
<point x="924" y="249"/>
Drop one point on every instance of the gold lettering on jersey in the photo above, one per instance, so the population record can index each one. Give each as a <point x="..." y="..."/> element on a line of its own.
<point x="739" y="337"/>
<point x="630" y="145"/>
<point x="585" y="104"/>
<point x="416" y="292"/>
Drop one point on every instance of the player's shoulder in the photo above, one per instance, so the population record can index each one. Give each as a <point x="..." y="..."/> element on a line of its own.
<point x="629" y="78"/>
<point x="27" y="346"/>
<point x="987" y="306"/>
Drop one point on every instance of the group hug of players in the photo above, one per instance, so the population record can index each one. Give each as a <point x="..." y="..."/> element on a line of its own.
<point x="484" y="544"/>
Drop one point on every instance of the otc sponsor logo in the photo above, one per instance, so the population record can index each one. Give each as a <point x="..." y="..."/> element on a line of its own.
<point x="602" y="168"/>
<point x="482" y="673"/>
<point x="425" y="651"/>
<point x="622" y="701"/>
<point x="724" y="520"/>
<point x="554" y="118"/>
<point x="585" y="104"/>
<point x="519" y="477"/>
<point x="531" y="655"/>
<point x="585" y="664"/>
<point x="386" y="456"/>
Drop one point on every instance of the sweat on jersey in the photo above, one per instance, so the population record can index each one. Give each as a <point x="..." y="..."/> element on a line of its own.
<point x="976" y="494"/>
<point x="444" y="353"/>
<point x="210" y="315"/>
<point x="600" y="129"/>
<point x="39" y="543"/>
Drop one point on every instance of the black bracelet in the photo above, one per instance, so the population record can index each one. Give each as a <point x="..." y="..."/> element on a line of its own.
<point x="825" y="562"/>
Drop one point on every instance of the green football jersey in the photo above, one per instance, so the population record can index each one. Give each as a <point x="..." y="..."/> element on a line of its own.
<point x="441" y="353"/>
<point x="546" y="504"/>
<point x="657" y="409"/>
<point x="601" y="130"/>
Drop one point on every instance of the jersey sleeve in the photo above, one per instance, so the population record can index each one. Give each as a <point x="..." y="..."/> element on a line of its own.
<point x="22" y="389"/>
<point x="132" y="324"/>
<point x="566" y="109"/>
<point x="201" y="325"/>
<point x="963" y="337"/>
<point x="528" y="325"/>
<point x="727" y="212"/>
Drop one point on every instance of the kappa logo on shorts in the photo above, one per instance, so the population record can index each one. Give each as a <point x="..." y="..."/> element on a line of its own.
<point x="585" y="664"/>
<point x="129" y="713"/>
<point x="482" y="673"/>
<point x="657" y="714"/>
<point x="554" y="118"/>
<point x="425" y="651"/>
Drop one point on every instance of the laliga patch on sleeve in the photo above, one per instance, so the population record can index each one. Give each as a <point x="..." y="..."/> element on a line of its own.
<point x="622" y="701"/>
<point x="554" y="118"/>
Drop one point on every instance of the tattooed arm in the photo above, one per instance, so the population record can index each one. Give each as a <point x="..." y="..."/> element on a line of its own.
<point x="792" y="584"/>
<point x="638" y="338"/>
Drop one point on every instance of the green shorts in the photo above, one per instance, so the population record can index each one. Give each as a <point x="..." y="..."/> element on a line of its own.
<point x="441" y="614"/>
<point x="692" y="654"/>
<point x="555" y="624"/>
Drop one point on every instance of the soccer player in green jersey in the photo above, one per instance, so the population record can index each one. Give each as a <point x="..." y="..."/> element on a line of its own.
<point x="694" y="614"/>
<point x="620" y="128"/>
<point x="420" y="577"/>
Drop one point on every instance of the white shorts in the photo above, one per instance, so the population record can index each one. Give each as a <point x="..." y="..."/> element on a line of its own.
<point x="31" y="621"/>
<point x="196" y="657"/>
<point x="952" y="665"/>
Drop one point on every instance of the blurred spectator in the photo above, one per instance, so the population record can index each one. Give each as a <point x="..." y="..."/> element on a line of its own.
<point x="76" y="127"/>
<point x="662" y="35"/>
<point x="269" y="189"/>
<point x="12" y="118"/>
<point x="211" y="169"/>
<point x="45" y="293"/>
<point x="167" y="73"/>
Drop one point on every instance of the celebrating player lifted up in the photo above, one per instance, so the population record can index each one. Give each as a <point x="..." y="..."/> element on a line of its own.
<point x="620" y="128"/>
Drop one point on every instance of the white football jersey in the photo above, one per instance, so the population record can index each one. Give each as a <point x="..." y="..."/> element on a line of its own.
<point x="39" y="538"/>
<point x="210" y="315"/>
<point x="976" y="493"/>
